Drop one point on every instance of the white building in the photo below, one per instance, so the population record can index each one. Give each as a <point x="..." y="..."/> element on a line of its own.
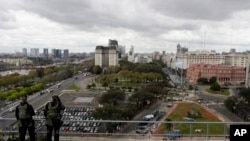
<point x="34" y="52"/>
<point x="107" y="56"/>
<point x="142" y="58"/>
<point x="131" y="55"/>
<point x="236" y="59"/>
<point x="25" y="52"/>
<point x="200" y="56"/>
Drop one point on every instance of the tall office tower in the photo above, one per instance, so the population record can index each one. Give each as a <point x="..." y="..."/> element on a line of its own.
<point x="131" y="55"/>
<point x="34" y="52"/>
<point x="107" y="55"/>
<point x="121" y="51"/>
<point x="65" y="53"/>
<point x="24" y="52"/>
<point x="53" y="52"/>
<point x="56" y="53"/>
<point x="46" y="52"/>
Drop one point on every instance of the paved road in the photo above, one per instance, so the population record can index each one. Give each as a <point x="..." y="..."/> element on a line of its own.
<point x="158" y="106"/>
<point x="216" y="103"/>
<point x="39" y="100"/>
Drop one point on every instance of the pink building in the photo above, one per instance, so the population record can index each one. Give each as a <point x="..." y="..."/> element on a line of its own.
<point x="223" y="73"/>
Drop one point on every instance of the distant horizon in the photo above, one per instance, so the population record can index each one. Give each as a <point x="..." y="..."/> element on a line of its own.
<point x="127" y="49"/>
<point x="152" y="25"/>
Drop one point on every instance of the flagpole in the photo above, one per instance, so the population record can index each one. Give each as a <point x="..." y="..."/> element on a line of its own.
<point x="181" y="74"/>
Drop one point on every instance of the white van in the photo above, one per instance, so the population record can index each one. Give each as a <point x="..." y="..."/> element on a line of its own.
<point x="12" y="109"/>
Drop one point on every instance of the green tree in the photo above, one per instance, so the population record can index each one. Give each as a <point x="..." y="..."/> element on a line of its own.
<point x="126" y="65"/>
<point x="245" y="93"/>
<point x="215" y="86"/>
<point x="212" y="80"/>
<point x="112" y="96"/>
<point x="142" y="98"/>
<point x="230" y="102"/>
<point x="105" y="85"/>
<point x="202" y="81"/>
<point x="97" y="69"/>
<point x="190" y="87"/>
<point x="154" y="88"/>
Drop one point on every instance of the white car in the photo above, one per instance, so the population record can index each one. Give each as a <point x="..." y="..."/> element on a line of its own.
<point x="12" y="109"/>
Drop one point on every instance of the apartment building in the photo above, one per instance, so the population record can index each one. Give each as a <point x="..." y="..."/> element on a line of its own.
<point x="198" y="57"/>
<point x="107" y="55"/>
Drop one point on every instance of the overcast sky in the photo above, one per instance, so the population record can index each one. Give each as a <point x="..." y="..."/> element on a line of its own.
<point x="148" y="25"/>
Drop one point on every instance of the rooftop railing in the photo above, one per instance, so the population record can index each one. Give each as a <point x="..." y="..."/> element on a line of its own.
<point x="123" y="130"/>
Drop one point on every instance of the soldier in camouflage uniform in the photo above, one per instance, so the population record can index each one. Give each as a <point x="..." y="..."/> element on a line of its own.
<point x="52" y="114"/>
<point x="24" y="113"/>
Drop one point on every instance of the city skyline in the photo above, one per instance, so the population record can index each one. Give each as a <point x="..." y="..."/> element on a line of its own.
<point x="149" y="25"/>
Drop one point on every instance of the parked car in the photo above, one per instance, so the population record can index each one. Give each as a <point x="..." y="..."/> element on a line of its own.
<point x="172" y="135"/>
<point x="142" y="129"/>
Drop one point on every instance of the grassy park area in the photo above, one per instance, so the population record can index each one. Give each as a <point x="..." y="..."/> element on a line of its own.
<point x="180" y="113"/>
<point x="73" y="87"/>
<point x="224" y="92"/>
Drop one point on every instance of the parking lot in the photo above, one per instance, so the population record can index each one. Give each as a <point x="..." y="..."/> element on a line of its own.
<point x="77" y="117"/>
<point x="75" y="120"/>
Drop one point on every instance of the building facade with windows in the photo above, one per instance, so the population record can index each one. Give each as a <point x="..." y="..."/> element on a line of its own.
<point x="200" y="56"/>
<point x="131" y="55"/>
<point x="46" y="52"/>
<point x="34" y="52"/>
<point x="24" y="52"/>
<point x="225" y="74"/>
<point x="65" y="53"/>
<point x="236" y="59"/>
<point x="106" y="56"/>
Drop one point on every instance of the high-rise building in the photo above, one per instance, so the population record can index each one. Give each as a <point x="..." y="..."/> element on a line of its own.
<point x="24" y="52"/>
<point x="107" y="55"/>
<point x="34" y="52"/>
<point x="121" y="51"/>
<point x="45" y="52"/>
<point x="131" y="55"/>
<point x="56" y="53"/>
<point x="65" y="53"/>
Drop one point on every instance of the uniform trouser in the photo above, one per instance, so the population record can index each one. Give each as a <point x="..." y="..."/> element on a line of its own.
<point x="56" y="128"/>
<point x="27" y="125"/>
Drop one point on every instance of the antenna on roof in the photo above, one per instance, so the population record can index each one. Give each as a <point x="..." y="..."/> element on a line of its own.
<point x="204" y="39"/>
<point x="111" y="30"/>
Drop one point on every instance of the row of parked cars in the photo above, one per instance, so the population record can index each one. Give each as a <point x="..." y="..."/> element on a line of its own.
<point x="79" y="119"/>
<point x="75" y="119"/>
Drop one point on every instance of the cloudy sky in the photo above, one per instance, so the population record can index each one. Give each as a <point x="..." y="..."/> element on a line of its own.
<point x="148" y="25"/>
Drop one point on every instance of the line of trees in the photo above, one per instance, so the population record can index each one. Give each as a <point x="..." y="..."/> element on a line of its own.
<point x="20" y="91"/>
<point x="130" y="76"/>
<point x="18" y="85"/>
